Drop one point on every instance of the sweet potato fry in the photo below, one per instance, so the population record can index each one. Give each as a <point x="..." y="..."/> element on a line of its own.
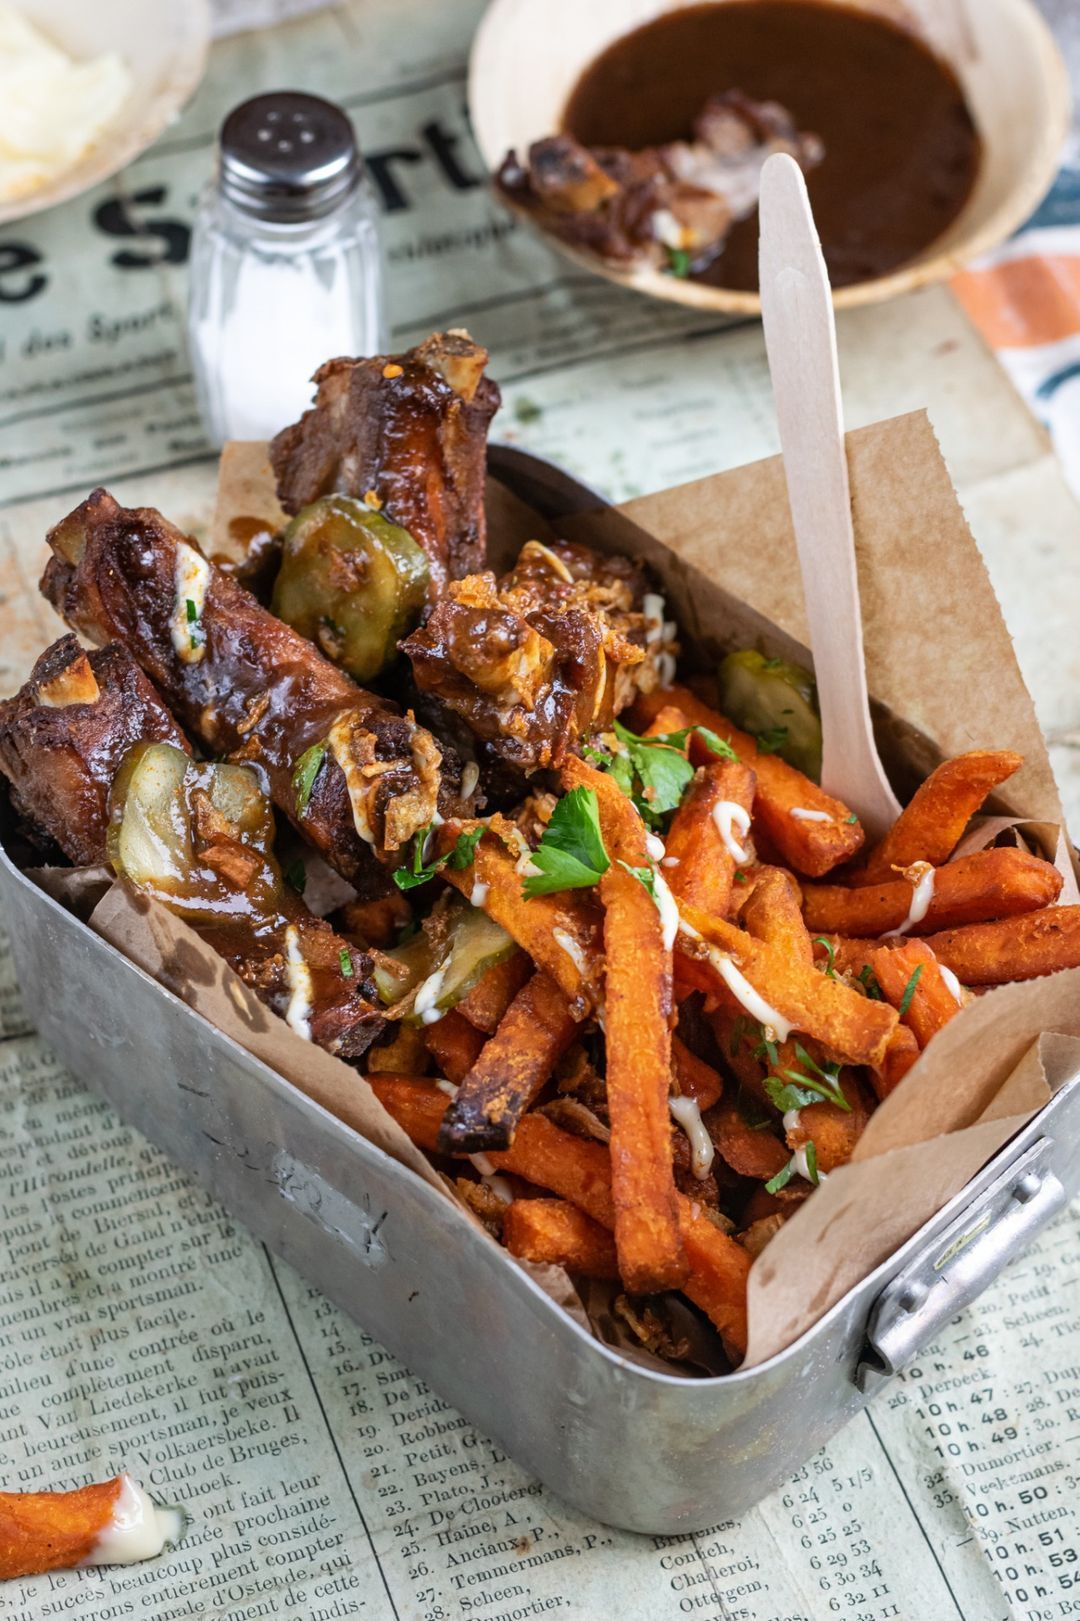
<point x="638" y="1006"/>
<point x="773" y="912"/>
<point x="455" y="1045"/>
<point x="787" y="994"/>
<point x="561" y="933"/>
<point x="911" y="979"/>
<point x="976" y="889"/>
<point x="749" y="1152"/>
<point x="494" y="991"/>
<point x="932" y="824"/>
<point x="508" y="1074"/>
<point x="580" y="1171"/>
<point x="699" y="864"/>
<point x="406" y="1054"/>
<point x="42" y="1531"/>
<point x="810" y="846"/>
<point x="1015" y="948"/>
<point x="693" y="1077"/>
<point x="832" y="1130"/>
<point x="737" y="1035"/>
<point x="901" y="1054"/>
<point x="559" y="1234"/>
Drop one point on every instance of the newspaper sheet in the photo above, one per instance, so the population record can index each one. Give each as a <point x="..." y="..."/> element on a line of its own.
<point x="139" y="1327"/>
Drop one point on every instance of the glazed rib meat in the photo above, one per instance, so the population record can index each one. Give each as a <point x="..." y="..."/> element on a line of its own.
<point x="408" y="433"/>
<point x="546" y="656"/>
<point x="63" y="736"/>
<point x="63" y="739"/>
<point x="354" y="775"/>
<point x="642" y="207"/>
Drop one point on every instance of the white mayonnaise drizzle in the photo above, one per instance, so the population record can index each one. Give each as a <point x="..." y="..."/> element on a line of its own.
<point x="554" y="563"/>
<point x="301" y="989"/>
<point x="566" y="942"/>
<point x="654" y="846"/>
<point x="500" y="1187"/>
<point x="727" y="813"/>
<point x="482" y="1164"/>
<point x="470" y="776"/>
<point x="358" y="786"/>
<point x="745" y="994"/>
<point x="427" y="995"/>
<point x="801" y="814"/>
<point x="192" y="577"/>
<point x="952" y="984"/>
<point x="448" y="1087"/>
<point x="687" y="1114"/>
<point x="665" y="669"/>
<point x="669" y="911"/>
<point x="479" y="893"/>
<point x="654" y="609"/>
<point x="791" y="1120"/>
<point x="921" y="897"/>
<point x="801" y="1166"/>
<point x="670" y="861"/>
<point x="138" y="1529"/>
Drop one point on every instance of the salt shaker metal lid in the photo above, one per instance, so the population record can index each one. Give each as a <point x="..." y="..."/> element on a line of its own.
<point x="287" y="157"/>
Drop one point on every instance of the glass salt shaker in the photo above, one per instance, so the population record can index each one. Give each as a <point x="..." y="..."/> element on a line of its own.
<point x="285" y="264"/>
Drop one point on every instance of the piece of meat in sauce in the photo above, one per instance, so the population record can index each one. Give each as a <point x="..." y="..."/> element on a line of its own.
<point x="653" y="206"/>
<point x="546" y="656"/>
<point x="408" y="433"/>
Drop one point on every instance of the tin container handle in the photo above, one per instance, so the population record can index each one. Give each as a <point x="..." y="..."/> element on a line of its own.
<point x="959" y="1263"/>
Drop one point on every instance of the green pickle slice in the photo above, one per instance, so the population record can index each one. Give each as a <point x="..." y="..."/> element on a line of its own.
<point x="352" y="582"/>
<point x="475" y="943"/>
<point x="777" y="703"/>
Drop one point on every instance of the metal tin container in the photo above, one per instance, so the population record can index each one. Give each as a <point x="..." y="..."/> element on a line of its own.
<point x="676" y="1453"/>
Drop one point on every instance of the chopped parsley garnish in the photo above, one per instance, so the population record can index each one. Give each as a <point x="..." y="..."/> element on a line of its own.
<point x="792" y="1168"/>
<point x="305" y="771"/>
<point x="346" y="962"/>
<point x="772" y="740"/>
<point x="740" y="876"/>
<point x="868" y="981"/>
<point x="766" y="1049"/>
<point x="646" y="876"/>
<point x="795" y="1089"/>
<point x="296" y="875"/>
<point x="852" y="819"/>
<point x="652" y="771"/>
<point x="678" y="262"/>
<point x="830" y="952"/>
<point x="740" y="1025"/>
<point x="571" y="854"/>
<point x="417" y="871"/>
<point x="909" y="991"/>
<point x="196" y="634"/>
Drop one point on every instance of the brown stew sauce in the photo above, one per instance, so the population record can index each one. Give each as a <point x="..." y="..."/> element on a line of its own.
<point x="901" y="149"/>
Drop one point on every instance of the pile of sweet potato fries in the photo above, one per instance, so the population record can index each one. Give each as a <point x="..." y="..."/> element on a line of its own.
<point x="759" y="982"/>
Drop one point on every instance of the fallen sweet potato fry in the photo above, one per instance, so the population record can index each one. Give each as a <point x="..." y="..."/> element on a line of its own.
<point x="786" y="994"/>
<point x="580" y="1170"/>
<point x="561" y="933"/>
<point x="494" y="991"/>
<point x="552" y="1232"/>
<point x="810" y="845"/>
<point x="931" y="826"/>
<point x="910" y="978"/>
<point x="42" y="1531"/>
<point x="455" y="1045"/>
<point x="773" y="912"/>
<point x="1015" y="948"/>
<point x="749" y="1151"/>
<point x="901" y="1054"/>
<point x="699" y="861"/>
<point x="976" y="889"/>
<point x="514" y="1065"/>
<point x="638" y="1003"/>
<point x="693" y="1077"/>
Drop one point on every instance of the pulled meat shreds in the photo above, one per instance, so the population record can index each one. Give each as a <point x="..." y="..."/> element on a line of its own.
<point x="353" y="774"/>
<point x="63" y="736"/>
<point x="642" y="207"/>
<point x="408" y="433"/>
<point x="547" y="655"/>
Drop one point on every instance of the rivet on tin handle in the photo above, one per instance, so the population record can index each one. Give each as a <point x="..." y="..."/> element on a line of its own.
<point x="958" y="1264"/>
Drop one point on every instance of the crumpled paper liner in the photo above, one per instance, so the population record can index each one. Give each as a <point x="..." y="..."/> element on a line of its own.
<point x="943" y="678"/>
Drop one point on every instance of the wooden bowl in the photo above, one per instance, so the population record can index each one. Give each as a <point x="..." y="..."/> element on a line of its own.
<point x="164" y="44"/>
<point x="529" y="54"/>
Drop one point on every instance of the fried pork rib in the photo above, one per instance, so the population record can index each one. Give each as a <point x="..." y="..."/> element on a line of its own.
<point x="354" y="775"/>
<point x="63" y="736"/>
<point x="408" y="433"/>
<point x="641" y="207"/>
<point x="63" y="739"/>
<point x="545" y="656"/>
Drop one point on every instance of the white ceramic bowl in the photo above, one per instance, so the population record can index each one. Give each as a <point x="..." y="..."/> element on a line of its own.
<point x="164" y="44"/>
<point x="529" y="54"/>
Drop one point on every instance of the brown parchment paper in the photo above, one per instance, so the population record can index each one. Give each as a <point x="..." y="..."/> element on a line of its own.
<point x="943" y="679"/>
